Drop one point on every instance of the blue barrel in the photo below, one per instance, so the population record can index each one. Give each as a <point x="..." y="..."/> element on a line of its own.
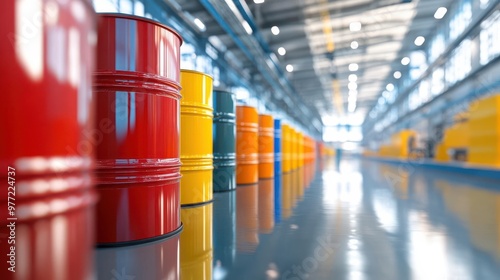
<point x="277" y="170"/>
<point x="224" y="139"/>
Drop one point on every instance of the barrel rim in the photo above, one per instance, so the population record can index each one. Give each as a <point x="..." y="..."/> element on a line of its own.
<point x="223" y="91"/>
<point x="196" y="72"/>
<point x="144" y="19"/>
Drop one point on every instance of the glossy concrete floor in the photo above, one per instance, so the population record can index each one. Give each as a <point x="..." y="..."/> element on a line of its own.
<point x="356" y="219"/>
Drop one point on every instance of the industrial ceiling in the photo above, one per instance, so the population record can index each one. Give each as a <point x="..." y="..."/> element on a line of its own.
<point x="320" y="45"/>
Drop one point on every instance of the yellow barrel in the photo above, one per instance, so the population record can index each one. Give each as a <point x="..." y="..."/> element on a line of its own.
<point x="266" y="146"/>
<point x="196" y="248"/>
<point x="247" y="145"/>
<point x="247" y="220"/>
<point x="293" y="149"/>
<point x="285" y="152"/>
<point x="196" y="137"/>
<point x="266" y="206"/>
<point x="301" y="149"/>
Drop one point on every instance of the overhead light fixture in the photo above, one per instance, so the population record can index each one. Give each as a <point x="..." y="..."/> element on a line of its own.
<point x="351" y="107"/>
<point x="258" y="1"/>
<point x="440" y="13"/>
<point x="419" y="41"/>
<point x="390" y="87"/>
<point x="397" y="75"/>
<point x="289" y="68"/>
<point x="354" y="45"/>
<point x="352" y="86"/>
<point x="405" y="61"/>
<point x="355" y="26"/>
<point x="353" y="78"/>
<point x="353" y="92"/>
<point x="353" y="67"/>
<point x="275" y="30"/>
<point x="247" y="27"/>
<point x="282" y="51"/>
<point x="352" y="99"/>
<point x="201" y="26"/>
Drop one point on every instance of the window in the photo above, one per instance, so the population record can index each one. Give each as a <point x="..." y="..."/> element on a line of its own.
<point x="461" y="20"/>
<point x="437" y="48"/>
<point x="489" y="39"/>
<point x="460" y="63"/>
<point x="437" y="81"/>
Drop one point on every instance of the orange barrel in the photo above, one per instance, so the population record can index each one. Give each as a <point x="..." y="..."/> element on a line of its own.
<point x="196" y="137"/>
<point x="266" y="146"/>
<point x="266" y="206"/>
<point x="286" y="196"/>
<point x="137" y="93"/>
<point x="247" y="221"/>
<point x="247" y="145"/>
<point x="129" y="262"/>
<point x="47" y="139"/>
<point x="196" y="252"/>
<point x="286" y="148"/>
<point x="301" y="149"/>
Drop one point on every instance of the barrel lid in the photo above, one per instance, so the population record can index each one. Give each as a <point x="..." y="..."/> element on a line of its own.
<point x="222" y="90"/>
<point x="196" y="72"/>
<point x="138" y="18"/>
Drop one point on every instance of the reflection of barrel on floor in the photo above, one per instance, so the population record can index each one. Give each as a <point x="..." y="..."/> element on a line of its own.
<point x="137" y="103"/>
<point x="266" y="206"/>
<point x="196" y="242"/>
<point x="225" y="231"/>
<point x="161" y="258"/>
<point x="224" y="141"/>
<point x="247" y="237"/>
<point x="287" y="195"/>
<point x="196" y="137"/>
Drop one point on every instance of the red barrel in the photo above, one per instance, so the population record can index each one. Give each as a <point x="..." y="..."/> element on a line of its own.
<point x="46" y="154"/>
<point x="137" y="94"/>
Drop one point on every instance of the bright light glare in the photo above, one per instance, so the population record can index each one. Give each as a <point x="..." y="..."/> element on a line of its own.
<point x="289" y="68"/>
<point x="390" y="87"/>
<point x="397" y="75"/>
<point x="354" y="45"/>
<point x="352" y="86"/>
<point x="275" y="30"/>
<point x="247" y="27"/>
<point x="258" y="1"/>
<point x="201" y="26"/>
<point x="440" y="13"/>
<point x="282" y="51"/>
<point x="353" y="67"/>
<point x="419" y="41"/>
<point x="353" y="78"/>
<point x="355" y="26"/>
<point x="405" y="61"/>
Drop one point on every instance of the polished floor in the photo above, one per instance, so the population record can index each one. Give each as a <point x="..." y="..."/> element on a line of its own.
<point x="354" y="219"/>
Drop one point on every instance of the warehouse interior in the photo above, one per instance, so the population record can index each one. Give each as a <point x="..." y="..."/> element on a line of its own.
<point x="250" y="139"/>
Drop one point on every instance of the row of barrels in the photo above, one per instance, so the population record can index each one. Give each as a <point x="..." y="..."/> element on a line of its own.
<point x="101" y="114"/>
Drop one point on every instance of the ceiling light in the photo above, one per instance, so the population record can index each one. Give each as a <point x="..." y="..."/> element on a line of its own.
<point x="354" y="45"/>
<point x="258" y="1"/>
<point x="440" y="13"/>
<point x="390" y="87"/>
<point x="353" y="78"/>
<point x="353" y="67"/>
<point x="289" y="68"/>
<point x="352" y="86"/>
<point x="355" y="26"/>
<point x="247" y="27"/>
<point x="352" y="99"/>
<point x="282" y="51"/>
<point x="397" y="75"/>
<point x="201" y="26"/>
<point x="405" y="61"/>
<point x="420" y="40"/>
<point x="353" y="93"/>
<point x="275" y="30"/>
